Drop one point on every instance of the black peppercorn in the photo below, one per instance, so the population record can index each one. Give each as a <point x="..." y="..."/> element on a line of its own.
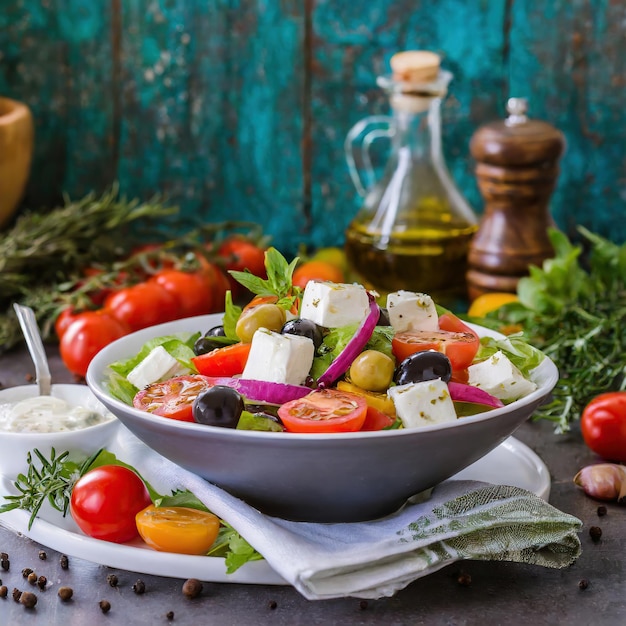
<point x="464" y="579"/>
<point x="363" y="605"/>
<point x="105" y="606"/>
<point x="583" y="584"/>
<point x="192" y="588"/>
<point x="112" y="580"/>
<point x="42" y="581"/>
<point x="28" y="599"/>
<point x="4" y="592"/>
<point x="26" y="572"/>
<point x="139" y="587"/>
<point x="64" y="561"/>
<point x="32" y="578"/>
<point x="3" y="556"/>
<point x="602" y="511"/>
<point x="16" y="593"/>
<point x="65" y="593"/>
<point x="595" y="532"/>
<point x="42" y="555"/>
<point x="170" y="615"/>
<point x="272" y="604"/>
<point x="5" y="564"/>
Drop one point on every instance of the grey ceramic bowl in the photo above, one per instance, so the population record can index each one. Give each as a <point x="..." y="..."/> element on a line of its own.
<point x="325" y="478"/>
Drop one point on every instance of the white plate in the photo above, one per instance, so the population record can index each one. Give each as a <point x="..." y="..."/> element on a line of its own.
<point x="511" y="463"/>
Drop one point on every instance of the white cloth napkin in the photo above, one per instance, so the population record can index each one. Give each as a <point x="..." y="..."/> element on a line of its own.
<point x="460" y="520"/>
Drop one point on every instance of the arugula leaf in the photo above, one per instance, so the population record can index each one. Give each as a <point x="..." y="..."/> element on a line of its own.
<point x="231" y="315"/>
<point x="234" y="548"/>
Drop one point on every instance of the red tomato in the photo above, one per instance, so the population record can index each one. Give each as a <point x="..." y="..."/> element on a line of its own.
<point x="240" y="254"/>
<point x="316" y="270"/>
<point x="63" y="321"/>
<point x="86" y="335"/>
<point x="226" y="361"/>
<point x="603" y="425"/>
<point x="192" y="290"/>
<point x="376" y="420"/>
<point x="218" y="280"/>
<point x="459" y="347"/>
<point x="106" y="500"/>
<point x="172" y="398"/>
<point x="143" y="305"/>
<point x="324" y="411"/>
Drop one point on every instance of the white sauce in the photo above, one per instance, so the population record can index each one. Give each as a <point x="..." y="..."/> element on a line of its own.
<point x="46" y="414"/>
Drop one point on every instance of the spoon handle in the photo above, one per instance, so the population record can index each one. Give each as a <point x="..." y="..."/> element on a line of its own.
<point x="28" y="323"/>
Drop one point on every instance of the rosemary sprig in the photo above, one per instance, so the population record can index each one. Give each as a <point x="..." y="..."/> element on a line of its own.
<point x="52" y="482"/>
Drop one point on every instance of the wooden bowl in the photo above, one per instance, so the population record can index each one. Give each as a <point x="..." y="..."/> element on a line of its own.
<point x="16" y="151"/>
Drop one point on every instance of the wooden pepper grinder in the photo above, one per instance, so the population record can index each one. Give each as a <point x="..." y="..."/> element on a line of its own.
<point x="517" y="168"/>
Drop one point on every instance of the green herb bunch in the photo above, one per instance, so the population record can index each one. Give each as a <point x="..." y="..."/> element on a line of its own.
<point x="573" y="308"/>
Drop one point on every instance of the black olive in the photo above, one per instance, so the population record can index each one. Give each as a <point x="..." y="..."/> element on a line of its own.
<point x="218" y="406"/>
<point x="205" y="344"/>
<point x="304" y="328"/>
<point x="420" y="366"/>
<point x="383" y="317"/>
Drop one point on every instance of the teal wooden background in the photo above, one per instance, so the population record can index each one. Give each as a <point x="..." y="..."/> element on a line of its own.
<point x="239" y="108"/>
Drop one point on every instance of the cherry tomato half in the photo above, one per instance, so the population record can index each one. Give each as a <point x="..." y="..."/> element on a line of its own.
<point x="105" y="501"/>
<point x="603" y="425"/>
<point x="172" y="398"/>
<point x="86" y="334"/>
<point x="227" y="361"/>
<point x="177" y="529"/>
<point x="455" y="339"/>
<point x="324" y="411"/>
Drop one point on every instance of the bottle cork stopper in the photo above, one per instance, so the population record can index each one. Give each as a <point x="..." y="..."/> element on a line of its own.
<point x="415" y="66"/>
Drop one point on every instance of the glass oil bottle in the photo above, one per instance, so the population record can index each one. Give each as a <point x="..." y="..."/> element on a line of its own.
<point x="414" y="228"/>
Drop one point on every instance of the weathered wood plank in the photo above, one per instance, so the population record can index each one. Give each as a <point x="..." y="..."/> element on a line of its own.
<point x="569" y="58"/>
<point x="212" y="112"/>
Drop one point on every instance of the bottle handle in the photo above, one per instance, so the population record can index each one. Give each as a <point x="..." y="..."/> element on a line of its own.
<point x="357" y="147"/>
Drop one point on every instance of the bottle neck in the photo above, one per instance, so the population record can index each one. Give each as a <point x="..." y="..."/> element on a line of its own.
<point x="418" y="126"/>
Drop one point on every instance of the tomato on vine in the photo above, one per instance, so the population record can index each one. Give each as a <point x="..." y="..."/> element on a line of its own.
<point x="86" y="334"/>
<point x="192" y="290"/>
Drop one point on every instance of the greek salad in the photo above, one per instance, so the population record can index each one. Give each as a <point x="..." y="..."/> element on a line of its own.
<point x="326" y="358"/>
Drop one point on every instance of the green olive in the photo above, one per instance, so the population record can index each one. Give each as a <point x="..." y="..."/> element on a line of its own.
<point x="372" y="370"/>
<point x="268" y="316"/>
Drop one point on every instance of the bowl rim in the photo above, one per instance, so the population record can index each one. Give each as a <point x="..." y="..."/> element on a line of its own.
<point x="58" y="433"/>
<point x="99" y="364"/>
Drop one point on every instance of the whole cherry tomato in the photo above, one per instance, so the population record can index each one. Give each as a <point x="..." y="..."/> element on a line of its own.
<point x="603" y="425"/>
<point x="106" y="500"/>
<point x="63" y="321"/>
<point x="142" y="305"/>
<point x="86" y="335"/>
<point x="192" y="290"/>
<point x="240" y="254"/>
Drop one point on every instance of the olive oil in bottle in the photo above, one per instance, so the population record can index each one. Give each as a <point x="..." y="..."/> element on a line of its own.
<point x="414" y="229"/>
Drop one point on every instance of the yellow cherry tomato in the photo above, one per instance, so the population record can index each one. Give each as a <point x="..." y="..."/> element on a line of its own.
<point x="376" y="400"/>
<point x="177" y="529"/>
<point x="488" y="302"/>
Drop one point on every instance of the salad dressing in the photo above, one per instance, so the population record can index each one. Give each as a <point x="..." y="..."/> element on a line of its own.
<point x="47" y="414"/>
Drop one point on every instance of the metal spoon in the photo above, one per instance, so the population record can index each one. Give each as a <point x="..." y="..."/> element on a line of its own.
<point x="28" y="323"/>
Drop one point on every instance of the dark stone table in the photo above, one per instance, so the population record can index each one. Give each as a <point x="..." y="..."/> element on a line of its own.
<point x="487" y="593"/>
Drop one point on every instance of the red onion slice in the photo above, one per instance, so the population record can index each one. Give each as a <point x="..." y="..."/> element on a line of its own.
<point x="261" y="390"/>
<point x="467" y="393"/>
<point x="353" y="348"/>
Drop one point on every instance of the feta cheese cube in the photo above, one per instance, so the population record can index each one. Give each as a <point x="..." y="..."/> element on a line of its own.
<point x="277" y="358"/>
<point x="157" y="366"/>
<point x="333" y="305"/>
<point x="410" y="311"/>
<point x="498" y="376"/>
<point x="423" y="404"/>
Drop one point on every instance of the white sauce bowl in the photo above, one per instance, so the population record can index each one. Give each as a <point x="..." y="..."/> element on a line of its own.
<point x="80" y="443"/>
